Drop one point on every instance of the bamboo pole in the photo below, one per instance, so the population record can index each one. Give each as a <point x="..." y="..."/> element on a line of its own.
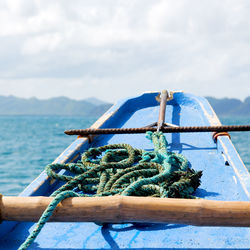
<point x="120" y="209"/>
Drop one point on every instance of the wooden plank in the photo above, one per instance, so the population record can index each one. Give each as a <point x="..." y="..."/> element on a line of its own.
<point x="120" y="209"/>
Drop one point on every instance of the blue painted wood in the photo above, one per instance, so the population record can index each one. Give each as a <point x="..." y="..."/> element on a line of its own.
<point x="224" y="178"/>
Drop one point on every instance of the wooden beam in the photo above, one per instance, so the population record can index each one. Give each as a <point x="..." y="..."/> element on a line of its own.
<point x="120" y="209"/>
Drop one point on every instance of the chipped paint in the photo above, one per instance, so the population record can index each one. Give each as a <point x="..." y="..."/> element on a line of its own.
<point x="235" y="180"/>
<point x="224" y="157"/>
<point x="102" y="119"/>
<point x="244" y="178"/>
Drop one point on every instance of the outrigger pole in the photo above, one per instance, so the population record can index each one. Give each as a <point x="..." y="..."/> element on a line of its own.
<point x="121" y="209"/>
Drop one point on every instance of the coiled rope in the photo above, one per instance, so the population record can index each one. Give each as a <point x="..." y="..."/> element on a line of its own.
<point x="119" y="169"/>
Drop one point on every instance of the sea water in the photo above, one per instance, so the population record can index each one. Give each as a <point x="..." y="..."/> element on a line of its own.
<point x="29" y="143"/>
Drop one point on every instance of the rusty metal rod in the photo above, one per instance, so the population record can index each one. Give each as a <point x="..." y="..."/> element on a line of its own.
<point x="163" y="103"/>
<point x="231" y="128"/>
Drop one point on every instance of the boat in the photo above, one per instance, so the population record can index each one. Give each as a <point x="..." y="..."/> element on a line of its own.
<point x="225" y="178"/>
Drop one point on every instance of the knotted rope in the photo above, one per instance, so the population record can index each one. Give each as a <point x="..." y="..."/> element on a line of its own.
<point x="119" y="169"/>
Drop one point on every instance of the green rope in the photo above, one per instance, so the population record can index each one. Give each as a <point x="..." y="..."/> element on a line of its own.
<point x="119" y="169"/>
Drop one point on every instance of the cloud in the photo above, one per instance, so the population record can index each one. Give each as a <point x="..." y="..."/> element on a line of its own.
<point x="200" y="47"/>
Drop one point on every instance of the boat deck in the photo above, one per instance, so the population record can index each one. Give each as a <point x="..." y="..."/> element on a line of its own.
<point x="224" y="178"/>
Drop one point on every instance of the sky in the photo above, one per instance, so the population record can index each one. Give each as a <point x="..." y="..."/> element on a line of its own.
<point x="113" y="49"/>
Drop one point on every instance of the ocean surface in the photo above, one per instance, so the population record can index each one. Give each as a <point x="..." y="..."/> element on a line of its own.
<point x="29" y="143"/>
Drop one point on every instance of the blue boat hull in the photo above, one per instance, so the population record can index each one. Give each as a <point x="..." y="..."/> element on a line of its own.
<point x="224" y="178"/>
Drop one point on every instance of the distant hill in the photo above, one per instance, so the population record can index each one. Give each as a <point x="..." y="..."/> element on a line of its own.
<point x="230" y="106"/>
<point x="11" y="105"/>
<point x="94" y="101"/>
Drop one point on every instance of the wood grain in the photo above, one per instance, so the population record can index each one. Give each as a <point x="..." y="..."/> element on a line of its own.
<point x="120" y="209"/>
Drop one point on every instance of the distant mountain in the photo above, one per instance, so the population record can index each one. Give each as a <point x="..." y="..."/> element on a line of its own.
<point x="11" y="105"/>
<point x="94" y="101"/>
<point x="230" y="106"/>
